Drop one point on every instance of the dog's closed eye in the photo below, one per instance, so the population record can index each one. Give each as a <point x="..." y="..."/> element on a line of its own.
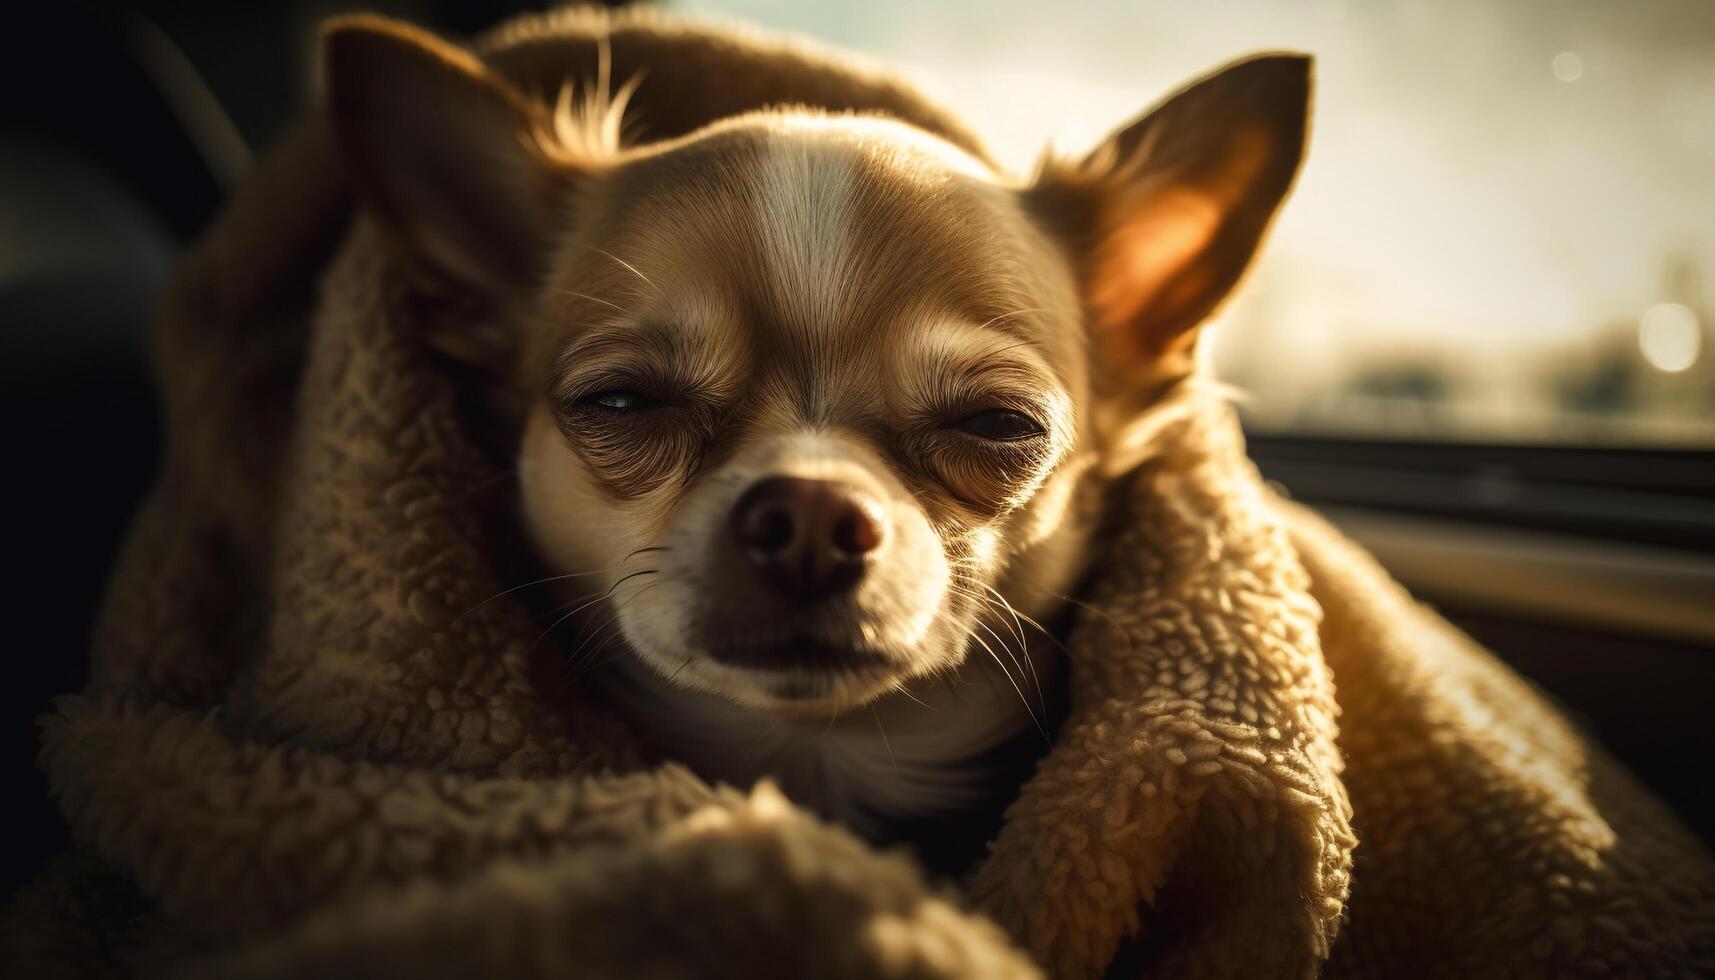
<point x="620" y="400"/>
<point x="1002" y="425"/>
<point x="634" y="436"/>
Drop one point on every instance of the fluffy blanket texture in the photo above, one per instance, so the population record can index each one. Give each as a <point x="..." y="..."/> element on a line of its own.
<point x="318" y="742"/>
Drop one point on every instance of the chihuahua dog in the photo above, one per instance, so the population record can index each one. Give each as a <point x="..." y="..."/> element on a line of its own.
<point x="819" y="407"/>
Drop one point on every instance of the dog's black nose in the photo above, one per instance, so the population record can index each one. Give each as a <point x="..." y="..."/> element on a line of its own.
<point x="807" y="539"/>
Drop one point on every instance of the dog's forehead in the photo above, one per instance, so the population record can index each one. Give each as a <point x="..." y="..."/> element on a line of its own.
<point x="825" y="232"/>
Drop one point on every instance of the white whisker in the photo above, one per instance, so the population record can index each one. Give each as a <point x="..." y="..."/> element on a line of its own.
<point x="594" y="299"/>
<point x="885" y="743"/>
<point x="1011" y="313"/>
<point x="1022" y="643"/>
<point x="585" y="605"/>
<point x="526" y="585"/>
<point x="902" y="689"/>
<point x="1018" y="690"/>
<point x="633" y="269"/>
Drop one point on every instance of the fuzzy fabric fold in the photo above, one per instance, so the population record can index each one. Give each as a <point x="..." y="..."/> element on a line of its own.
<point x="322" y="738"/>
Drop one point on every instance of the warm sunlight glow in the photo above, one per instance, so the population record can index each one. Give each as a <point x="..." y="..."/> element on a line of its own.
<point x="1472" y="238"/>
<point x="1670" y="337"/>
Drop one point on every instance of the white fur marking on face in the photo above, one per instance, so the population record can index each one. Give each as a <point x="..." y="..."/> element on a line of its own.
<point x="803" y="209"/>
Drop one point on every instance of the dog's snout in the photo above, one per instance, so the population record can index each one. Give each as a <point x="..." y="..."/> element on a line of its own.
<point x="807" y="539"/>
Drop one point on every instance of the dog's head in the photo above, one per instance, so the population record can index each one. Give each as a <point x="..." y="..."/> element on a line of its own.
<point x="802" y="396"/>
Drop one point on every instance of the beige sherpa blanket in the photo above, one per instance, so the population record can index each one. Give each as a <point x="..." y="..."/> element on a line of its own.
<point x="310" y="747"/>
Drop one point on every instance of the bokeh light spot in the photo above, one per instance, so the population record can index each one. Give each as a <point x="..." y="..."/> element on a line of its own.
<point x="1670" y="337"/>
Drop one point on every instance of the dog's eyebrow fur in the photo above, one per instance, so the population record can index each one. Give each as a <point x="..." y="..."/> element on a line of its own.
<point x="674" y="349"/>
<point x="1016" y="323"/>
<point x="647" y="337"/>
<point x="971" y="348"/>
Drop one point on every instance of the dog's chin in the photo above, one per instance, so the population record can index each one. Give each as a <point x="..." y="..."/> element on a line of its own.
<point x="793" y="677"/>
<point x="809" y="693"/>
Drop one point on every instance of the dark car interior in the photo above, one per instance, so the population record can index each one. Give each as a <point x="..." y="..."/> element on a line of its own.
<point x="1590" y="568"/>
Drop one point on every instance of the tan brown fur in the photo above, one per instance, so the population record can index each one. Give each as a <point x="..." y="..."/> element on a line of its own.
<point x="930" y="292"/>
<point x="814" y="295"/>
<point x="317" y="742"/>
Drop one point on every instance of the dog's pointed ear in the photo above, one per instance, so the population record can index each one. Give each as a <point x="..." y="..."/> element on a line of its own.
<point x="1164" y="216"/>
<point x="445" y="152"/>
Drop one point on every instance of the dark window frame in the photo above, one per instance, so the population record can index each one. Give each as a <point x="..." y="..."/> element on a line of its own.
<point x="1650" y="496"/>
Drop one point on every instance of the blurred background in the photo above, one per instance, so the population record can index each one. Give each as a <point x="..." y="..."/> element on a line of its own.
<point x="1481" y="336"/>
<point x="1505" y="226"/>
